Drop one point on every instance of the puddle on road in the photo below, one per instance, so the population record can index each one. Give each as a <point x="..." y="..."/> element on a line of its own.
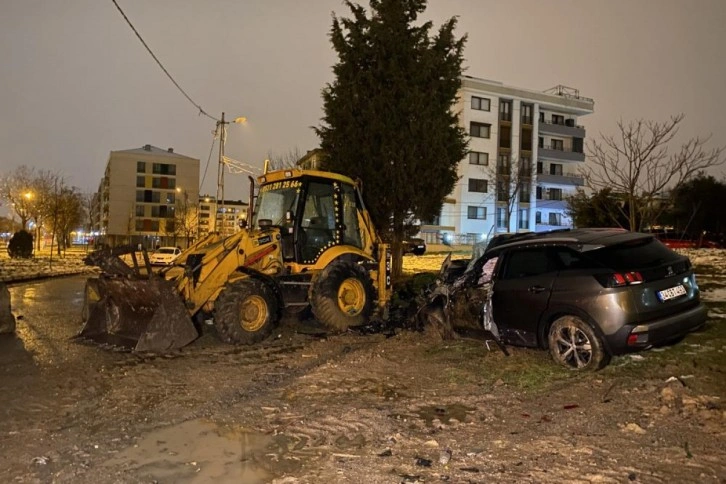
<point x="198" y="451"/>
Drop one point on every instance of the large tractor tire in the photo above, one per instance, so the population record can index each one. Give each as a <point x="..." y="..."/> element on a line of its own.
<point x="246" y="312"/>
<point x="342" y="296"/>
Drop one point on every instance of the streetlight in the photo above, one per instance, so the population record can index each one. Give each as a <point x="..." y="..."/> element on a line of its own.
<point x="220" y="169"/>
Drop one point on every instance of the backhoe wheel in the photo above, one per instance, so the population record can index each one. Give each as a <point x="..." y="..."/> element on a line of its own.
<point x="342" y="296"/>
<point x="575" y="345"/>
<point x="245" y="312"/>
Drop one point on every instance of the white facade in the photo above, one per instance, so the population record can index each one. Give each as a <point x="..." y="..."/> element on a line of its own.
<point x="140" y="192"/>
<point x="211" y="219"/>
<point x="525" y="148"/>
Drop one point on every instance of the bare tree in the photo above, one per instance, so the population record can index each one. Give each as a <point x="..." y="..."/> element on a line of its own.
<point x="512" y="185"/>
<point x="67" y="214"/>
<point x="285" y="160"/>
<point x="186" y="219"/>
<point x="16" y="190"/>
<point x="638" y="166"/>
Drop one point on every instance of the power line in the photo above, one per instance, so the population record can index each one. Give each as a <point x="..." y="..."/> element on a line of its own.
<point x="201" y="111"/>
<point x="211" y="148"/>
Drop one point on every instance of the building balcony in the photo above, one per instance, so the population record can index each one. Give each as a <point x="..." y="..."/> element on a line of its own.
<point x="550" y="204"/>
<point x="563" y="179"/>
<point x="557" y="153"/>
<point x="573" y="130"/>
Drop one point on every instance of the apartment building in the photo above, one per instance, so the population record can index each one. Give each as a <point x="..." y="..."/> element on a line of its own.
<point x="148" y="196"/>
<point x="525" y="148"/>
<point x="224" y="218"/>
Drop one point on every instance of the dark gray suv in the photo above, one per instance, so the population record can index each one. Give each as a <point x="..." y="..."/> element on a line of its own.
<point x="585" y="294"/>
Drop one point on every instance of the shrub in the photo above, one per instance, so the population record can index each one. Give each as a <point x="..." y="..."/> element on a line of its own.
<point x="21" y="245"/>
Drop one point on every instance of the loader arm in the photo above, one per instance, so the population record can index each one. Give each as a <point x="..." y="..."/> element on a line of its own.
<point x="209" y="269"/>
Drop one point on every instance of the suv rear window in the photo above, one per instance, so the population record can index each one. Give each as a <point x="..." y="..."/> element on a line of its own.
<point x="635" y="254"/>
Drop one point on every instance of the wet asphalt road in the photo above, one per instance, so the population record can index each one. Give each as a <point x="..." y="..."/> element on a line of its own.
<point x="48" y="314"/>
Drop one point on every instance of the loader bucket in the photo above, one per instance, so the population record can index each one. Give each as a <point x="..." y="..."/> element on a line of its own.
<point x="137" y="314"/>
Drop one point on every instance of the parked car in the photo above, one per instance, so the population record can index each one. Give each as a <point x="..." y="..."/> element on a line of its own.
<point x="584" y="294"/>
<point x="415" y="246"/>
<point x="164" y="256"/>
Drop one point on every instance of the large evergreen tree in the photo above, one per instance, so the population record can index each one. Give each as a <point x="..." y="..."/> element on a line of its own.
<point x="389" y="117"/>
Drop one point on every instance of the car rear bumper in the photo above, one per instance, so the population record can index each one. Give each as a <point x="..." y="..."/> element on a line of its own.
<point x="634" y="337"/>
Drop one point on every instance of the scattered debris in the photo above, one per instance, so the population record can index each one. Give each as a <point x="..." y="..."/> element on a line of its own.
<point x="420" y="461"/>
<point x="445" y="457"/>
<point x="635" y="428"/>
<point x="570" y="406"/>
<point x="386" y="453"/>
<point x="41" y="460"/>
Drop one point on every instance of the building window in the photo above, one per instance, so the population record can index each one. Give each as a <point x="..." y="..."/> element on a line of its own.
<point x="170" y="198"/>
<point x="557" y="144"/>
<point x="478" y="158"/>
<point x="140" y="210"/>
<point x="501" y="217"/>
<point x="526" y="113"/>
<point x="540" y="142"/>
<point x="540" y="167"/>
<point x="505" y="110"/>
<point x="480" y="103"/>
<point x="555" y="193"/>
<point x="503" y="165"/>
<point x="539" y="193"/>
<point x="525" y="192"/>
<point x="140" y="167"/>
<point x="476" y="213"/>
<point x="555" y="219"/>
<point x="555" y="169"/>
<point x="163" y="169"/>
<point x="477" y="185"/>
<point x="502" y="192"/>
<point x="505" y="137"/>
<point x="538" y="216"/>
<point x="148" y="196"/>
<point x="147" y="225"/>
<point x="525" y="167"/>
<point x="524" y="219"/>
<point x="558" y="119"/>
<point x="479" y="130"/>
<point x="163" y="182"/>
<point x="140" y="181"/>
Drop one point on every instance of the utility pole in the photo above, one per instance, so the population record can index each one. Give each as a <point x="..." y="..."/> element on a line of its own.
<point x="220" y="170"/>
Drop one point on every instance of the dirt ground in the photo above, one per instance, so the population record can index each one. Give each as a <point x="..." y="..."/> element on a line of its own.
<point x="397" y="406"/>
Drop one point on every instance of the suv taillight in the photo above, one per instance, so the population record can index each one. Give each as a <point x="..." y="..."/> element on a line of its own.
<point x="620" y="279"/>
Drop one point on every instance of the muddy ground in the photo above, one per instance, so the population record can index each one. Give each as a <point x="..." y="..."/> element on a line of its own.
<point x="397" y="406"/>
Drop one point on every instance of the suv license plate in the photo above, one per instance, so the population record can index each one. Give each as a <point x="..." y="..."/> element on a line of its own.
<point x="672" y="292"/>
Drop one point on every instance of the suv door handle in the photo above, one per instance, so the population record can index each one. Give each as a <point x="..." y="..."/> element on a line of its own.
<point x="536" y="289"/>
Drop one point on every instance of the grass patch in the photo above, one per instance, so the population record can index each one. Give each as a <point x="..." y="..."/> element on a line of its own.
<point x="525" y="369"/>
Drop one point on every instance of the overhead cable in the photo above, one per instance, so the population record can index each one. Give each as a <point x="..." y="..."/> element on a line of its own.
<point x="201" y="111"/>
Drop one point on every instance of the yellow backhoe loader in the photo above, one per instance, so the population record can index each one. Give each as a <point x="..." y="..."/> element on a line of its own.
<point x="309" y="242"/>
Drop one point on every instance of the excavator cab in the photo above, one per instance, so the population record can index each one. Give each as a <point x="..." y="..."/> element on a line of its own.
<point x="314" y="213"/>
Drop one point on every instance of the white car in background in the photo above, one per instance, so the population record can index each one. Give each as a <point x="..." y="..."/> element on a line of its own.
<point x="164" y="256"/>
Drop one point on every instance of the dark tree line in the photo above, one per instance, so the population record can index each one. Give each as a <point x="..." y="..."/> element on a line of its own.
<point x="690" y="211"/>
